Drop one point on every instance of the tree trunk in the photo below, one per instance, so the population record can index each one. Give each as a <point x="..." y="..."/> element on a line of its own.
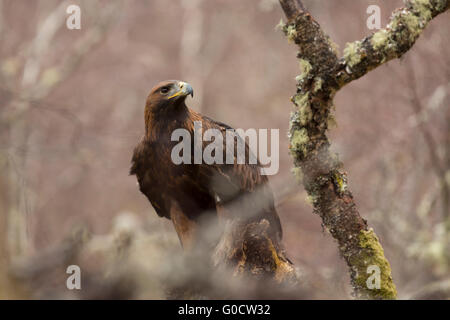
<point x="321" y="172"/>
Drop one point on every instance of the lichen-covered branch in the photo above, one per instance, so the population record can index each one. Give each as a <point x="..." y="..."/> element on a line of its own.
<point x="323" y="73"/>
<point x="292" y="8"/>
<point x="389" y="43"/>
<point x="320" y="170"/>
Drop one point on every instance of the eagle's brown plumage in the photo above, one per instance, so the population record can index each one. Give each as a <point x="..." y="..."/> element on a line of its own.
<point x="187" y="193"/>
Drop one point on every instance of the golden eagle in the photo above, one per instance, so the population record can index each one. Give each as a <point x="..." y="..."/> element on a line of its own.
<point x="187" y="193"/>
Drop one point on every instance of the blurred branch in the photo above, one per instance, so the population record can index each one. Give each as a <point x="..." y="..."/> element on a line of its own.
<point x="96" y="34"/>
<point x="197" y="38"/>
<point x="439" y="290"/>
<point x="416" y="105"/>
<point x="438" y="166"/>
<point x="191" y="43"/>
<point x="36" y="85"/>
<point x="1" y="19"/>
<point x="435" y="102"/>
<point x="41" y="43"/>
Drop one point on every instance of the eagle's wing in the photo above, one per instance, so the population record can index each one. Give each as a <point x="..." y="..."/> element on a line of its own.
<point x="173" y="206"/>
<point x="240" y="187"/>
<point x="140" y="163"/>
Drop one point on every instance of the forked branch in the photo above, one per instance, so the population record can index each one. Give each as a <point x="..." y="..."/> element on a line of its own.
<point x="320" y="170"/>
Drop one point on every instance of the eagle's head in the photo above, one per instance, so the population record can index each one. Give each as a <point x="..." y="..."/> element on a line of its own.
<point x="168" y="96"/>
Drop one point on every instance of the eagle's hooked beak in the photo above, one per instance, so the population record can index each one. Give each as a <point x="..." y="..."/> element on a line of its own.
<point x="184" y="89"/>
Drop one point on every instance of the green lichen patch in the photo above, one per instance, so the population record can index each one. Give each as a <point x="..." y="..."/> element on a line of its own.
<point x="306" y="68"/>
<point x="340" y="182"/>
<point x="380" y="39"/>
<point x="372" y="254"/>
<point x="318" y="82"/>
<point x="301" y="100"/>
<point x="413" y="23"/>
<point x="300" y="140"/>
<point x="422" y="8"/>
<point x="304" y="113"/>
<point x="352" y="54"/>
<point x="441" y="5"/>
<point x="408" y="24"/>
<point x="290" y="31"/>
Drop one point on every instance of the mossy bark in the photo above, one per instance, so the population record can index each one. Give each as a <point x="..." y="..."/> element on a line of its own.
<point x="389" y="43"/>
<point x="323" y="73"/>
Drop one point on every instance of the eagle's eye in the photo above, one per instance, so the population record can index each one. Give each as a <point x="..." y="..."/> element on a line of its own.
<point x="164" y="90"/>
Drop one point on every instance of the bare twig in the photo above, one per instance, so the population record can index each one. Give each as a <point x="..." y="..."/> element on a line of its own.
<point x="34" y="88"/>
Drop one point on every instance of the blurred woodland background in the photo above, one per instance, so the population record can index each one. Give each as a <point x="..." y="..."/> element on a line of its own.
<point x="71" y="112"/>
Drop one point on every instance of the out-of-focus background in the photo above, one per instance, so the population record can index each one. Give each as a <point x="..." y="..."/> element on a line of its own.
<point x="71" y="112"/>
